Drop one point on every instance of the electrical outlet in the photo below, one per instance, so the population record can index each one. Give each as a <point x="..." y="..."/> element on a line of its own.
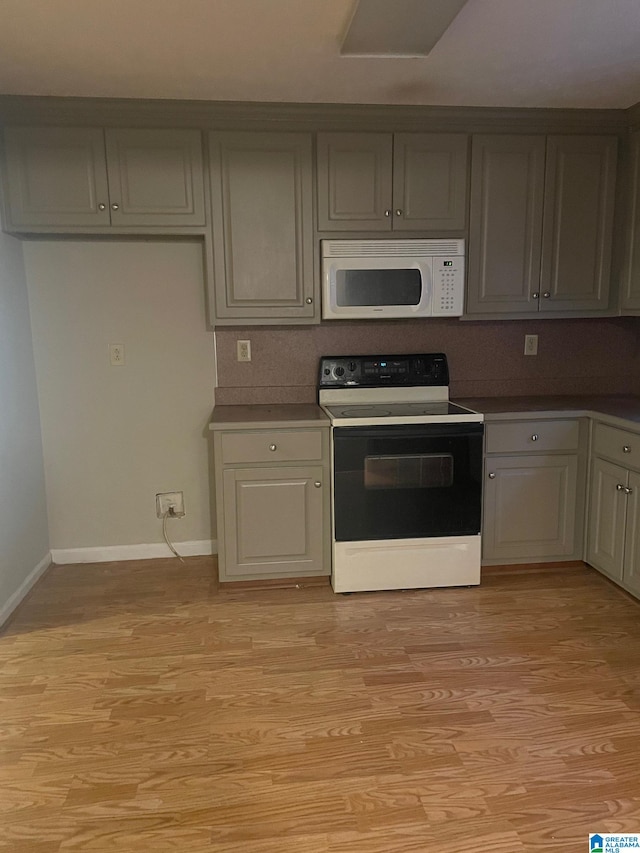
<point x="165" y="500"/>
<point x="244" y="350"/>
<point x="116" y="354"/>
<point x="531" y="345"/>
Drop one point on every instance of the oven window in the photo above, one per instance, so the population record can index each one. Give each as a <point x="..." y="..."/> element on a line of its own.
<point x="378" y="287"/>
<point x="422" y="471"/>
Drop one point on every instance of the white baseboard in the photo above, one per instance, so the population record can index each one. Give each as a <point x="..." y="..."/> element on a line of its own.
<point x="9" y="606"/>
<point x="115" y="553"/>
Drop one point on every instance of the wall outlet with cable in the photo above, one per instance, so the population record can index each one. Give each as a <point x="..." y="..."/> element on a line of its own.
<point x="171" y="504"/>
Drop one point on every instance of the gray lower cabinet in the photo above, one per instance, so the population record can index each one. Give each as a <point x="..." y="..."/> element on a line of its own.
<point x="61" y="179"/>
<point x="533" y="505"/>
<point x="541" y="224"/>
<point x="391" y="182"/>
<point x="272" y="491"/>
<point x="613" y="541"/>
<point x="262" y="216"/>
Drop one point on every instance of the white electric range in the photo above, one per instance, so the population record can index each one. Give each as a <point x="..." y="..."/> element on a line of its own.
<point x="406" y="474"/>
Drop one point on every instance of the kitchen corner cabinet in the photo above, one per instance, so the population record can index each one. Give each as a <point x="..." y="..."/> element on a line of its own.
<point x="541" y="224"/>
<point x="272" y="491"/>
<point x="59" y="179"/>
<point x="392" y="182"/>
<point x="262" y="215"/>
<point x="534" y="482"/>
<point x="613" y="543"/>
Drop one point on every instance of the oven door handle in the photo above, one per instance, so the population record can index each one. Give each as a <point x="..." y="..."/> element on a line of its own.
<point x="430" y="430"/>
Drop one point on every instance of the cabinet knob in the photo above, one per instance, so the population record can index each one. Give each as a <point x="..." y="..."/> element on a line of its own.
<point x="273" y="447"/>
<point x="628" y="491"/>
<point x="102" y="206"/>
<point x="626" y="449"/>
<point x="115" y="206"/>
<point x="387" y="213"/>
<point x="620" y="487"/>
<point x="546" y="294"/>
<point x="492" y="476"/>
<point x="534" y="437"/>
<point x="308" y="300"/>
<point x="535" y="296"/>
<point x="317" y="484"/>
<point x="398" y="212"/>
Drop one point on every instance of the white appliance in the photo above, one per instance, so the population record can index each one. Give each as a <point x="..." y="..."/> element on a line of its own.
<point x="365" y="279"/>
<point x="406" y="474"/>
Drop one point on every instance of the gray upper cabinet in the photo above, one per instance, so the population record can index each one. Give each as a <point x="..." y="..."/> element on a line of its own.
<point x="155" y="177"/>
<point x="631" y="292"/>
<point x="55" y="176"/>
<point x="354" y="181"/>
<point x="541" y="224"/>
<point x="505" y="237"/>
<point x="61" y="179"/>
<point x="385" y="182"/>
<point x="262" y="209"/>
<point x="578" y="222"/>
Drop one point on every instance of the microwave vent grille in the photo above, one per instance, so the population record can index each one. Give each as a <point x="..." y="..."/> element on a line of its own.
<point x="391" y="248"/>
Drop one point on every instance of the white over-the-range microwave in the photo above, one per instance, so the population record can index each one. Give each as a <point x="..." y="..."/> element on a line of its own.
<point x="378" y="279"/>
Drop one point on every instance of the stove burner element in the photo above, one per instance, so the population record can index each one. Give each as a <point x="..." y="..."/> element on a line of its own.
<point x="365" y="412"/>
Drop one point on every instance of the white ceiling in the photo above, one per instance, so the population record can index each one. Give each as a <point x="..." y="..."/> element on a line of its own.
<point x="528" y="53"/>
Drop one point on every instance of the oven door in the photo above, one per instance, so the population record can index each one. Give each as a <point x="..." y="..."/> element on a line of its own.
<point x="407" y="482"/>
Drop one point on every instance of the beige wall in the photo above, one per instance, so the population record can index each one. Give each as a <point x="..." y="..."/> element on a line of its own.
<point x="114" y="436"/>
<point x="24" y="541"/>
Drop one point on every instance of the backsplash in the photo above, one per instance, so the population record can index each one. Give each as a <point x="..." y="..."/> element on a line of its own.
<point x="486" y="358"/>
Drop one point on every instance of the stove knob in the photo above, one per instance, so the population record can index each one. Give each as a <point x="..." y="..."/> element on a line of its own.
<point x="352" y="366"/>
<point x="327" y="371"/>
<point x="339" y="371"/>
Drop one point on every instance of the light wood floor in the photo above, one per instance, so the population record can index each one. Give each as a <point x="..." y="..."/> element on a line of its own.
<point x="143" y="710"/>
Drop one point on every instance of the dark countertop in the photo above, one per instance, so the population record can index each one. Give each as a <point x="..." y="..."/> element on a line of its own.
<point x="623" y="411"/>
<point x="279" y="415"/>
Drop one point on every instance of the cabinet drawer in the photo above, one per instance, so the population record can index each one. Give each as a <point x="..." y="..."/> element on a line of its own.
<point x="617" y="444"/>
<point x="529" y="436"/>
<point x="271" y="446"/>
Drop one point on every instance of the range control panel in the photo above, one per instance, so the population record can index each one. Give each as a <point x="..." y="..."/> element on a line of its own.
<point x="377" y="371"/>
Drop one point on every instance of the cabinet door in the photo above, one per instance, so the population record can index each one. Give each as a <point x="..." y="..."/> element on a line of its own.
<point x="429" y="181"/>
<point x="631" y="572"/>
<point x="273" y="522"/>
<point x="56" y="177"/>
<point x="578" y="222"/>
<point x="354" y="181"/>
<point x="505" y="229"/>
<point x="155" y="177"/>
<point x="607" y="508"/>
<point x="631" y="291"/>
<point x="529" y="506"/>
<point x="262" y="210"/>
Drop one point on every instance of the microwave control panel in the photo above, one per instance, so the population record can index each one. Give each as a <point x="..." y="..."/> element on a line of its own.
<point x="448" y="286"/>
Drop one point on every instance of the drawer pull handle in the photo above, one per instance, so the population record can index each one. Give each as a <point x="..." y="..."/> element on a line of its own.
<point x="492" y="476"/>
<point x="620" y="487"/>
<point x="273" y="447"/>
<point x="317" y="484"/>
<point x="534" y="437"/>
<point x="626" y="449"/>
